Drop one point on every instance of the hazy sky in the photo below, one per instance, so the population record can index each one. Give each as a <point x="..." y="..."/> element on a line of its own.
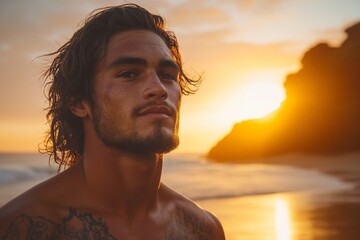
<point x="243" y="48"/>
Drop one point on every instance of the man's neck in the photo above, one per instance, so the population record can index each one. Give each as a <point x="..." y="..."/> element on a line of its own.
<point x="122" y="183"/>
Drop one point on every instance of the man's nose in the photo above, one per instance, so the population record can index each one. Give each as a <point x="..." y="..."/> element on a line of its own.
<point x="154" y="88"/>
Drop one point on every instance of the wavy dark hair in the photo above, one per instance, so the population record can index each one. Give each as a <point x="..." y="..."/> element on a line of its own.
<point x="70" y="76"/>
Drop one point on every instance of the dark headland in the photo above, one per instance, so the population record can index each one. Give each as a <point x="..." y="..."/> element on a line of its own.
<point x="320" y="115"/>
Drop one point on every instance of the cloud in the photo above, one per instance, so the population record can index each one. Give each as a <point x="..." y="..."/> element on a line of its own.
<point x="196" y="19"/>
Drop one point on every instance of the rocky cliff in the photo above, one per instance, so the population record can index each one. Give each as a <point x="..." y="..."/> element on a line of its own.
<point x="321" y="113"/>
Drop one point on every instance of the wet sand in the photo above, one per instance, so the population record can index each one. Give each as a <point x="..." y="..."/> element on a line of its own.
<point x="297" y="215"/>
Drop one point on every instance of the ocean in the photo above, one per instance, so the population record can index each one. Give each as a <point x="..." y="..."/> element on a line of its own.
<point x="189" y="174"/>
<point x="241" y="195"/>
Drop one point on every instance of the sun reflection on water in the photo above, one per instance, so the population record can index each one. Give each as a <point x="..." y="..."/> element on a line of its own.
<point x="282" y="220"/>
<point x="265" y="217"/>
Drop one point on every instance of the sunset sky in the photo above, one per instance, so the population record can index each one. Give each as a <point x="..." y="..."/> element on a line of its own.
<point x="244" y="49"/>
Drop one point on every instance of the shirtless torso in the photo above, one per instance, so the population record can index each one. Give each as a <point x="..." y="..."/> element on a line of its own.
<point x="53" y="211"/>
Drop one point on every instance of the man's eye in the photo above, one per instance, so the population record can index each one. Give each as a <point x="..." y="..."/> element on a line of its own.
<point x="127" y="74"/>
<point x="167" y="76"/>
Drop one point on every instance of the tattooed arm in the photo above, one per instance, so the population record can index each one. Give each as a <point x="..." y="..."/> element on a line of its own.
<point x="26" y="227"/>
<point x="76" y="225"/>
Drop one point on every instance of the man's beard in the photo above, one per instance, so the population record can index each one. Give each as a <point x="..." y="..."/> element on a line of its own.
<point x="128" y="139"/>
<point x="157" y="142"/>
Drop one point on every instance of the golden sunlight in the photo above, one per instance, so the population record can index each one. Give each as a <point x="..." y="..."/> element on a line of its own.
<point x="261" y="94"/>
<point x="254" y="95"/>
<point x="282" y="220"/>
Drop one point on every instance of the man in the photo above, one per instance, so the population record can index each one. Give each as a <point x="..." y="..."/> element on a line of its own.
<point x="114" y="96"/>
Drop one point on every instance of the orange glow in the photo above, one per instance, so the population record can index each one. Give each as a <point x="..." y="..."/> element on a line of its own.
<point x="261" y="94"/>
<point x="258" y="94"/>
<point x="20" y="136"/>
<point x="253" y="95"/>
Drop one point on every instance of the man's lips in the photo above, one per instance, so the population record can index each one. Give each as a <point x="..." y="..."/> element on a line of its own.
<point x="156" y="110"/>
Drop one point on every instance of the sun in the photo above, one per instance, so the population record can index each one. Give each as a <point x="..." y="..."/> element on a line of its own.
<point x="261" y="94"/>
<point x="251" y="96"/>
<point x="259" y="99"/>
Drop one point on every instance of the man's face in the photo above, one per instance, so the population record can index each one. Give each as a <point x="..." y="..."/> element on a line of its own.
<point x="137" y="94"/>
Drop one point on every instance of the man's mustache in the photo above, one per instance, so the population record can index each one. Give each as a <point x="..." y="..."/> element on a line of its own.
<point x="137" y="110"/>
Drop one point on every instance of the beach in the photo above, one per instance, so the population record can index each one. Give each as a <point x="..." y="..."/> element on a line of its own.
<point x="327" y="215"/>
<point x="292" y="197"/>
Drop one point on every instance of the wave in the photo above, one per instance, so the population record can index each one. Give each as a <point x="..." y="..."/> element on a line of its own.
<point x="15" y="173"/>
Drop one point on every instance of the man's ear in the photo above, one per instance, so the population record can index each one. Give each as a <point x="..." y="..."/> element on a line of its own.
<point x="80" y="109"/>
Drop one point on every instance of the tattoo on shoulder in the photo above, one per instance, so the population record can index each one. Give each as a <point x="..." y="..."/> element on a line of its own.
<point x="184" y="225"/>
<point x="75" y="226"/>
<point x="179" y="225"/>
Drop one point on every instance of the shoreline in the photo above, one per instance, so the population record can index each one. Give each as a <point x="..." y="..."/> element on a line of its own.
<point x="345" y="166"/>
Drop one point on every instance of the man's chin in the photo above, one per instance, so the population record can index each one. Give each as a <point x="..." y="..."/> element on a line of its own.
<point x="156" y="143"/>
<point x="160" y="143"/>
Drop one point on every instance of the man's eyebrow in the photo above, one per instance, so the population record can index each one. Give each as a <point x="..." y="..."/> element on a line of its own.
<point x="142" y="62"/>
<point x="128" y="61"/>
<point x="168" y="63"/>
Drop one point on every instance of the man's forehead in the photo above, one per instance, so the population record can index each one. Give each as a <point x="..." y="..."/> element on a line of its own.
<point x="137" y="44"/>
<point x="138" y="41"/>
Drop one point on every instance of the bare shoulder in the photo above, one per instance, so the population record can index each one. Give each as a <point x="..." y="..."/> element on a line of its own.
<point x="18" y="215"/>
<point x="187" y="220"/>
<point x="40" y="207"/>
